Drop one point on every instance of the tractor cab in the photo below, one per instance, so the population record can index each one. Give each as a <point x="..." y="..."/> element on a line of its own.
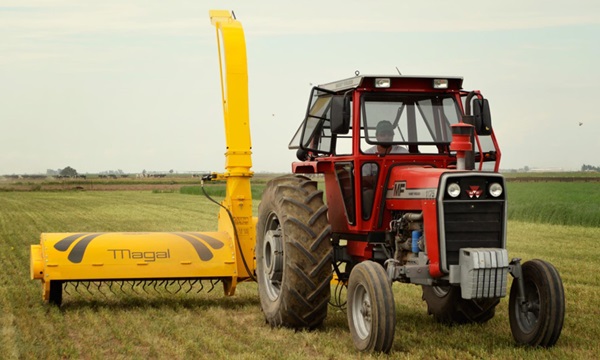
<point x="357" y="130"/>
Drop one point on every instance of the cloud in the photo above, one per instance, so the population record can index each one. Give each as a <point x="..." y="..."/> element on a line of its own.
<point x="38" y="19"/>
<point x="153" y="65"/>
<point x="408" y="17"/>
<point x="42" y="22"/>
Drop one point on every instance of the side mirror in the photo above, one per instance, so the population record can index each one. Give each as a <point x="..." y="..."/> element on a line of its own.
<point x="302" y="154"/>
<point x="483" y="118"/>
<point x="340" y="114"/>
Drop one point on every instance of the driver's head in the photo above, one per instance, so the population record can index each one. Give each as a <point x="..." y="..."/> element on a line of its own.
<point x="384" y="131"/>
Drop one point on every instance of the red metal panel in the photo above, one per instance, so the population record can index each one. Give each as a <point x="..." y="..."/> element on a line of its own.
<point x="430" y="223"/>
<point x="361" y="250"/>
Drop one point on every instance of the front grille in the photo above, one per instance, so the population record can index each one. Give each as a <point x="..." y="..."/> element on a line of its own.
<point x="471" y="224"/>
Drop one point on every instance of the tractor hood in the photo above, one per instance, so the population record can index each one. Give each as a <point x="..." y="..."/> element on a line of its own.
<point x="413" y="182"/>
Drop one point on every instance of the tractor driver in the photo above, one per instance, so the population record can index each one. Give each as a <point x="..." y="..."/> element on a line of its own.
<point x="384" y="133"/>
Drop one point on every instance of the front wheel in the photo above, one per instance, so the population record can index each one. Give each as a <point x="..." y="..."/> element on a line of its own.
<point x="539" y="320"/>
<point x="371" y="308"/>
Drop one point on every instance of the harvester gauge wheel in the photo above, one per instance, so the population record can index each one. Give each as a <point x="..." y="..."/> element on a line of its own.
<point x="539" y="321"/>
<point x="371" y="309"/>
<point x="293" y="253"/>
<point x="56" y="289"/>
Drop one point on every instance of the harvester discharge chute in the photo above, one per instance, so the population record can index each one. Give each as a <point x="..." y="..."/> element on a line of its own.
<point x="226" y="255"/>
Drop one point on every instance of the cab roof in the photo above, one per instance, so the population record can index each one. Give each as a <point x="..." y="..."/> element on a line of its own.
<point x="398" y="82"/>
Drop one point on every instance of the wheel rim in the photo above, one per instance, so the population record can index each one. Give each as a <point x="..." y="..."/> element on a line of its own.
<point x="528" y="315"/>
<point x="272" y="258"/>
<point x="362" y="312"/>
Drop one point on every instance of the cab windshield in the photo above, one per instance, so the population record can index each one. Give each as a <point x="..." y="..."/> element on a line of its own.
<point x="412" y="123"/>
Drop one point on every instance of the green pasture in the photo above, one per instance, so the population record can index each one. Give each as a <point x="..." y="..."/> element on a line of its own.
<point x="545" y="202"/>
<point x="218" y="190"/>
<point x="212" y="326"/>
<point x="94" y="182"/>
<point x="560" y="203"/>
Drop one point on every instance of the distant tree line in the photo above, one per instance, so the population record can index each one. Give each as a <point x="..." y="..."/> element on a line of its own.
<point x="67" y="172"/>
<point x="590" y="168"/>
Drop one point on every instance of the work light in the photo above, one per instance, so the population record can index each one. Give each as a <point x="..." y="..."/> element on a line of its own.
<point x="382" y="82"/>
<point x="440" y="83"/>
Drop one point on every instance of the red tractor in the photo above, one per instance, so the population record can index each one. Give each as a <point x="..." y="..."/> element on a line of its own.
<point x="413" y="194"/>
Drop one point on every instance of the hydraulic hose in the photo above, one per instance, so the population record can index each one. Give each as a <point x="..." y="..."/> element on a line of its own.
<point x="237" y="239"/>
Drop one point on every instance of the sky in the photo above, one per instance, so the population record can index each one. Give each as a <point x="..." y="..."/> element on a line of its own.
<point x="134" y="85"/>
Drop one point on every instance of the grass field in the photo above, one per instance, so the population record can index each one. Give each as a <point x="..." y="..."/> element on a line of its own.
<point x="560" y="203"/>
<point x="214" y="326"/>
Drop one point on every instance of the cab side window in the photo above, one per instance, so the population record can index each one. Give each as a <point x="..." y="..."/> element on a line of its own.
<point x="369" y="174"/>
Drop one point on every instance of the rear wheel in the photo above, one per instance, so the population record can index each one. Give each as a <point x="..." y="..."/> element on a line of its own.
<point x="447" y="306"/>
<point x="293" y="253"/>
<point x="539" y="321"/>
<point x="371" y="308"/>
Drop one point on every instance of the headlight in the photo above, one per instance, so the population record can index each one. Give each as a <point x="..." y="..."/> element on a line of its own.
<point x="496" y="189"/>
<point x="453" y="190"/>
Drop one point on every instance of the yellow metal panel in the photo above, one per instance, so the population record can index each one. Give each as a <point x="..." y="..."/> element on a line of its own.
<point x="219" y="15"/>
<point x="37" y="262"/>
<point x="113" y="256"/>
<point x="234" y="90"/>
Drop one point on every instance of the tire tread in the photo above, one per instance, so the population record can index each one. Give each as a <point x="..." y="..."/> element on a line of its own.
<point x="305" y="289"/>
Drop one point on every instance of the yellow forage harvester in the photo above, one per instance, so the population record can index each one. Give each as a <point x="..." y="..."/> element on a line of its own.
<point x="226" y="255"/>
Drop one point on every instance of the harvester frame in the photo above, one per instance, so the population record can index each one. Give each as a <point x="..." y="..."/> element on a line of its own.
<point x="418" y="210"/>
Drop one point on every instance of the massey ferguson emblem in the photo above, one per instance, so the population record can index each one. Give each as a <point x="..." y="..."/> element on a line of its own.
<point x="474" y="191"/>
<point x="399" y="188"/>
